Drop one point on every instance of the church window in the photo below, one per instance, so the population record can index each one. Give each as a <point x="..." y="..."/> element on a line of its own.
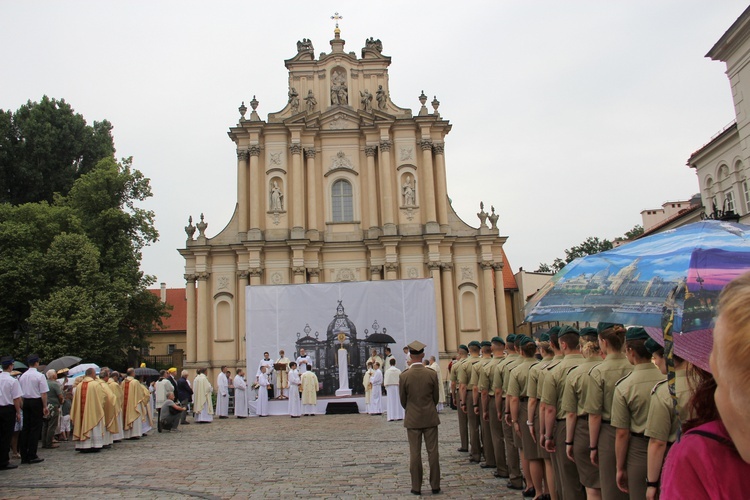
<point x="729" y="200"/>
<point x="342" y="201"/>
<point x="746" y="189"/>
<point x="171" y="348"/>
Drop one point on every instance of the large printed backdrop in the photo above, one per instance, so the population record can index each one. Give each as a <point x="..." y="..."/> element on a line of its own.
<point x="312" y="316"/>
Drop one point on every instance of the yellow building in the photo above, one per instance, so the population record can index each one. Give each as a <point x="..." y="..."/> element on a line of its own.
<point x="342" y="184"/>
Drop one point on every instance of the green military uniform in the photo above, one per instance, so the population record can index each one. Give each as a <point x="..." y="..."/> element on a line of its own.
<point x="532" y="390"/>
<point x="495" y="428"/>
<point x="574" y="397"/>
<point x="539" y="391"/>
<point x="601" y="389"/>
<point x="501" y="380"/>
<point x="662" y="422"/>
<point x="484" y="435"/>
<point x="518" y="387"/>
<point x="463" y="430"/>
<point x="554" y="384"/>
<point x="464" y="378"/>
<point x="630" y="408"/>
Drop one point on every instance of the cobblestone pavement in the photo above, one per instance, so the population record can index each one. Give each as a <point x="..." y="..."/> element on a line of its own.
<point x="325" y="456"/>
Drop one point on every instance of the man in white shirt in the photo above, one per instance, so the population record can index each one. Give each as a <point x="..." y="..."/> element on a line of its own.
<point x="304" y="362"/>
<point x="222" y="394"/>
<point x="11" y="399"/>
<point x="393" y="403"/>
<point x="377" y="390"/>
<point x="240" y="394"/>
<point x="34" y="387"/>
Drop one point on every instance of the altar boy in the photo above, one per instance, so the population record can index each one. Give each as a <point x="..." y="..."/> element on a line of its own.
<point x="393" y="404"/>
<point x="262" y="408"/>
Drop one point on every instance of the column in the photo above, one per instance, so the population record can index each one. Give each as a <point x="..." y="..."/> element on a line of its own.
<point x="449" y="309"/>
<point x="434" y="268"/>
<point x="428" y="182"/>
<point x="255" y="274"/>
<point x="502" y="311"/>
<point x="257" y="194"/>
<point x="241" y="317"/>
<point x="488" y="296"/>
<point x="442" y="186"/>
<point x="391" y="270"/>
<point x="312" y="190"/>
<point x="202" y="320"/>
<point x="242" y="157"/>
<point x="314" y="274"/>
<point x="298" y="275"/>
<point x="298" y="182"/>
<point x="372" y="187"/>
<point x="386" y="183"/>
<point x="191" y="327"/>
<point x="375" y="273"/>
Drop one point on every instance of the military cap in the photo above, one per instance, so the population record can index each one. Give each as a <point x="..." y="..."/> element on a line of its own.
<point x="652" y="346"/>
<point x="636" y="333"/>
<point x="416" y="347"/>
<point x="605" y="326"/>
<point x="565" y="329"/>
<point x="524" y="339"/>
<point x="499" y="340"/>
<point x="6" y="361"/>
<point x="589" y="332"/>
<point x="486" y="343"/>
<point x="544" y="337"/>
<point x="33" y="358"/>
<point x="554" y="330"/>
<point x="475" y="343"/>
<point x="511" y="338"/>
<point x="463" y="347"/>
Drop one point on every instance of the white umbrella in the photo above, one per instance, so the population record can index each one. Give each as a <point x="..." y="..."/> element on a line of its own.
<point x="79" y="370"/>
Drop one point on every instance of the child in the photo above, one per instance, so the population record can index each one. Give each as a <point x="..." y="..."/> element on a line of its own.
<point x="262" y="408"/>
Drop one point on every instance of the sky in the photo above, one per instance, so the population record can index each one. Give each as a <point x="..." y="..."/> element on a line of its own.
<point x="569" y="117"/>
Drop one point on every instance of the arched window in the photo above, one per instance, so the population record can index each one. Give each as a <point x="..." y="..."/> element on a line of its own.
<point x="341" y="201"/>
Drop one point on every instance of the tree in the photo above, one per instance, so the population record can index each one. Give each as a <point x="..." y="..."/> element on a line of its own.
<point x="45" y="147"/>
<point x="589" y="246"/>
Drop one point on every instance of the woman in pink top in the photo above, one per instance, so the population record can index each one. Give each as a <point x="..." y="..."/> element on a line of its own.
<point x="712" y="460"/>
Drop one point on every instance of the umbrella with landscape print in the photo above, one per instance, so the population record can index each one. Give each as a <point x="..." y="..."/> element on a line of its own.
<point x="630" y="284"/>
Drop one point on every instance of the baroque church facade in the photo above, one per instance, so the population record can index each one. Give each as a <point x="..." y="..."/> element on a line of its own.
<point x="342" y="185"/>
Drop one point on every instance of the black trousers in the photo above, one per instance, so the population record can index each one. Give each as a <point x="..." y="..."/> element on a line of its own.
<point x="28" y="441"/>
<point x="7" y="423"/>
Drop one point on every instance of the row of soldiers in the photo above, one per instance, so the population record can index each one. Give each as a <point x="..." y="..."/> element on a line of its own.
<point x="106" y="411"/>
<point x="573" y="415"/>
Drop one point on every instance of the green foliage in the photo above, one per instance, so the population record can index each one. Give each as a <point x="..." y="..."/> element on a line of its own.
<point x="44" y="147"/>
<point x="589" y="246"/>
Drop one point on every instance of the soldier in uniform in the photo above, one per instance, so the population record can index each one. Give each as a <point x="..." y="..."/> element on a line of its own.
<point x="663" y="424"/>
<point x="467" y="401"/>
<point x="531" y="461"/>
<point x="554" y="417"/>
<point x="534" y="393"/>
<point x="629" y="413"/>
<point x="480" y="406"/>
<point x="500" y="383"/>
<point x="550" y="469"/>
<point x="489" y="408"/>
<point x="598" y="406"/>
<point x="463" y="430"/>
<point x="577" y="420"/>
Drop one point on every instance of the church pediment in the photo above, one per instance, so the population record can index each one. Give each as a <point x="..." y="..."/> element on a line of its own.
<point x="340" y="118"/>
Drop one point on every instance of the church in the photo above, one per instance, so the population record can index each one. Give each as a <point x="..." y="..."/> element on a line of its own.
<point x="342" y="184"/>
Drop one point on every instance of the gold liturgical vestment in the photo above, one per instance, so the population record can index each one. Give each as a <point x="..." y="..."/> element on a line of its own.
<point x="87" y="409"/>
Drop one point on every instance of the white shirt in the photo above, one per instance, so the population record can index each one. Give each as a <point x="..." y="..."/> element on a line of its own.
<point x="222" y="383"/>
<point x="268" y="363"/>
<point x="10" y="389"/>
<point x="239" y="383"/>
<point x="377" y="378"/>
<point x="33" y="384"/>
<point x="302" y="366"/>
<point x="294" y="377"/>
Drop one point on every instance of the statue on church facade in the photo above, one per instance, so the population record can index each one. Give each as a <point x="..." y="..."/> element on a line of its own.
<point x="305" y="45"/>
<point x="373" y="44"/>
<point x="493" y="218"/>
<point x="339" y="90"/>
<point x="482" y="215"/>
<point x="409" y="193"/>
<point x="277" y="198"/>
<point x="381" y="97"/>
<point x="311" y="101"/>
<point x="366" y="100"/>
<point x="294" y="99"/>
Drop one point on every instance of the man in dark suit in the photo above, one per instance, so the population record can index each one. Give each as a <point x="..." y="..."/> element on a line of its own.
<point x="184" y="395"/>
<point x="419" y="393"/>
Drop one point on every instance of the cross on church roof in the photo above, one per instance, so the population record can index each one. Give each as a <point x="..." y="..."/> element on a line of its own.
<point x="336" y="17"/>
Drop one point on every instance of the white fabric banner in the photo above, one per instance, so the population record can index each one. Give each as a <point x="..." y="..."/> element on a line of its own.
<point x="312" y="316"/>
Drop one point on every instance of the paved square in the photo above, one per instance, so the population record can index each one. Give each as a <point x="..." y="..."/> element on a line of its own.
<point x="326" y="456"/>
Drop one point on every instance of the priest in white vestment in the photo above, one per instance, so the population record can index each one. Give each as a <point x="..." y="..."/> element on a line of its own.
<point x="435" y="366"/>
<point x="222" y="394"/>
<point x="262" y="408"/>
<point x="304" y="362"/>
<point x="203" y="407"/>
<point x="295" y="404"/>
<point x="309" y="393"/>
<point x="240" y="395"/>
<point x="377" y="390"/>
<point x="375" y="358"/>
<point x="393" y="404"/>
<point x="368" y="386"/>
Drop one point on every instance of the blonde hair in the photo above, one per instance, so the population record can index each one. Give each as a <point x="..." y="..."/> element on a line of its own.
<point x="545" y="347"/>
<point x="590" y="348"/>
<point x="734" y="312"/>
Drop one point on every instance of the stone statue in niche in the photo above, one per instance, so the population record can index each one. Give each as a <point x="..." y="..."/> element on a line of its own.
<point x="311" y="101"/>
<point x="366" y="100"/>
<point x="277" y="198"/>
<point x="294" y="99"/>
<point x="339" y="90"/>
<point x="381" y="97"/>
<point x="409" y="192"/>
<point x="305" y="45"/>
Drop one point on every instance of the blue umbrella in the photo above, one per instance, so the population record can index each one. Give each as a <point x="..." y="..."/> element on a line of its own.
<point x="630" y="284"/>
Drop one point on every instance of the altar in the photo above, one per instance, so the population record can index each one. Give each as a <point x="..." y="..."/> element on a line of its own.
<point x="281" y="406"/>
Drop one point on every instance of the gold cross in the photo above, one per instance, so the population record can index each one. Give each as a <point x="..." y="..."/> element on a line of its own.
<point x="336" y="17"/>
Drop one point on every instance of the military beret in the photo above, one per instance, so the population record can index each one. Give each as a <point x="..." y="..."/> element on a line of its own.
<point x="605" y="326"/>
<point x="6" y="361"/>
<point x="652" y="346"/>
<point x="544" y="337"/>
<point x="486" y="343"/>
<point x="636" y="333"/>
<point x="589" y="332"/>
<point x="463" y="347"/>
<point x="511" y="338"/>
<point x="524" y="339"/>
<point x="475" y="343"/>
<point x="499" y="340"/>
<point x="554" y="330"/>
<point x="565" y="329"/>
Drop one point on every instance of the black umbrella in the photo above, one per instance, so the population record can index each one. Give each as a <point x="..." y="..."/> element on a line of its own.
<point x="146" y="372"/>
<point x="380" y="338"/>
<point x="64" y="362"/>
